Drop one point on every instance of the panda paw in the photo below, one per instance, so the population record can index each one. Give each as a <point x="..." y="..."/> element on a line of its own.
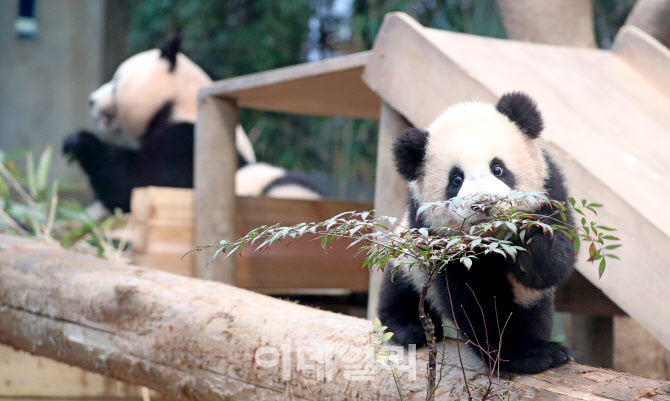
<point x="408" y="334"/>
<point x="74" y="144"/>
<point x="536" y="357"/>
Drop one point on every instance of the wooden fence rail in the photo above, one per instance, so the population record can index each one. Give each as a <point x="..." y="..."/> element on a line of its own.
<point x="194" y="339"/>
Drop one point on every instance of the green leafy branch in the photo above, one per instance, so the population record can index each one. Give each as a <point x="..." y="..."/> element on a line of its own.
<point x="385" y="241"/>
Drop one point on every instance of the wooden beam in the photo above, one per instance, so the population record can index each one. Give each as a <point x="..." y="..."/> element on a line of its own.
<point x="194" y="339"/>
<point x="215" y="165"/>
<point x="390" y="187"/>
<point x="331" y="87"/>
<point x="556" y="22"/>
<point x="644" y="54"/>
<point x="652" y="16"/>
<point x="579" y="295"/>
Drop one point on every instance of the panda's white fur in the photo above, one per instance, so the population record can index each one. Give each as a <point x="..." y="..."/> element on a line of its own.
<point x="462" y="136"/>
<point x="142" y="84"/>
<point x="254" y="180"/>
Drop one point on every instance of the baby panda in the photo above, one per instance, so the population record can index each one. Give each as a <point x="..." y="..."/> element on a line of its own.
<point x="474" y="148"/>
<point x="152" y="99"/>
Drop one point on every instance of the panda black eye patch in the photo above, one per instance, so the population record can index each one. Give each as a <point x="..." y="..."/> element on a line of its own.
<point x="501" y="172"/>
<point x="455" y="182"/>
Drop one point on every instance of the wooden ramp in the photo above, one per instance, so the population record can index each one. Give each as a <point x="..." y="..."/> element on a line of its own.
<point x="607" y="115"/>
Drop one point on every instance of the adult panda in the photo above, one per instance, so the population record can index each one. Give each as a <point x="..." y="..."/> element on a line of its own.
<point x="152" y="99"/>
<point x="481" y="148"/>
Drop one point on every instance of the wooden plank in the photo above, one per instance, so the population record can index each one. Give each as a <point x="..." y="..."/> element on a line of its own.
<point x="644" y="54"/>
<point x="414" y="76"/>
<point x="197" y="339"/>
<point x="162" y="204"/>
<point x="164" y="240"/>
<point x="557" y="22"/>
<point x="390" y="187"/>
<point x="330" y="87"/>
<point x="605" y="123"/>
<point x="638" y="283"/>
<point x="302" y="264"/>
<point x="25" y="376"/>
<point x="215" y="165"/>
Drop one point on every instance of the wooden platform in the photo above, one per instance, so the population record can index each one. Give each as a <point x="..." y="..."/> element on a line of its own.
<point x="163" y="232"/>
<point x="607" y="115"/>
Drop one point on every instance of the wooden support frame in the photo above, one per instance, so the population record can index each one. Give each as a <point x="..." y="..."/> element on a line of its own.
<point x="215" y="165"/>
<point x="331" y="87"/>
<point x="390" y="187"/>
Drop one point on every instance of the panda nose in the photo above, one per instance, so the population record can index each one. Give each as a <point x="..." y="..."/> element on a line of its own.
<point x="91" y="102"/>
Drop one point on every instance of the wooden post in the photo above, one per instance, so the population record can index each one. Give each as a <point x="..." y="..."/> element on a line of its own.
<point x="390" y="188"/>
<point x="215" y="165"/>
<point x="592" y="339"/>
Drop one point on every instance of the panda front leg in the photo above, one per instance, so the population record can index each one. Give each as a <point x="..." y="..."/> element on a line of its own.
<point x="399" y="310"/>
<point x="548" y="261"/>
<point x="526" y="342"/>
<point x="502" y="331"/>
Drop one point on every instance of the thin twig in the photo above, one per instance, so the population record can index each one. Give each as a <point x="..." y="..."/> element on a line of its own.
<point x="12" y="222"/>
<point x="458" y="334"/>
<point x="429" y="329"/>
<point x="15" y="184"/>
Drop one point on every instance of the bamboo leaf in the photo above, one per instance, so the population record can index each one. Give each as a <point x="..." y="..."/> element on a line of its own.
<point x="43" y="168"/>
<point x="30" y="171"/>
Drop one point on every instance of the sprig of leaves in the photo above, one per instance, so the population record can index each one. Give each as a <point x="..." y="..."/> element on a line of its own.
<point x="383" y="240"/>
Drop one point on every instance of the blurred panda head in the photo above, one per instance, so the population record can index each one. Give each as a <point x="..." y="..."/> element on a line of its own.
<point x="145" y="84"/>
<point x="471" y="149"/>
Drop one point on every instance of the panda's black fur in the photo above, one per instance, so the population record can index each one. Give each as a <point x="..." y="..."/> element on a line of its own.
<point x="526" y="345"/>
<point x="164" y="158"/>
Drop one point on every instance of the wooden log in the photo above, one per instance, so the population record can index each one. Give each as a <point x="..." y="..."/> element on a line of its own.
<point x="198" y="339"/>
<point x="215" y="165"/>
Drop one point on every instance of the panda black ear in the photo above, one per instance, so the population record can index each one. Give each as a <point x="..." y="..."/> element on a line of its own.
<point x="170" y="49"/>
<point x="522" y="111"/>
<point x="409" y="150"/>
